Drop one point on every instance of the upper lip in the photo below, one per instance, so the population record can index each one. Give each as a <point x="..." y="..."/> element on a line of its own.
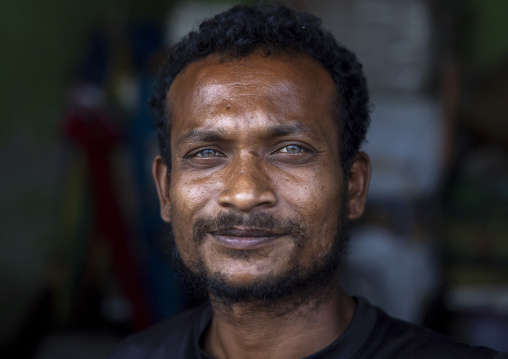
<point x="246" y="232"/>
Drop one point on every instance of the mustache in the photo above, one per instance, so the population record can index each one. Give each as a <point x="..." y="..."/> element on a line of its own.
<point x="258" y="221"/>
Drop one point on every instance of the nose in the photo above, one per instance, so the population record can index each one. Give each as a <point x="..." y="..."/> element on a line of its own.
<point x="248" y="186"/>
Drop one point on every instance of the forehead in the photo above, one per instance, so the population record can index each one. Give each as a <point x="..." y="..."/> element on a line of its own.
<point x="278" y="86"/>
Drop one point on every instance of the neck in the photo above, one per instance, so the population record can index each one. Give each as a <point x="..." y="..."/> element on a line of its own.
<point x="292" y="329"/>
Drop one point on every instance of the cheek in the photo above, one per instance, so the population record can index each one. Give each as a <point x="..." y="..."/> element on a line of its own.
<point x="317" y="199"/>
<point x="189" y="199"/>
<point x="189" y="194"/>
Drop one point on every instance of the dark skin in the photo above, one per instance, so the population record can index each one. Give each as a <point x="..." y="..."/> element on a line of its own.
<point x="257" y="135"/>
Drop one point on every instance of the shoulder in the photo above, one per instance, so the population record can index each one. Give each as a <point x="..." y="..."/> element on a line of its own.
<point x="176" y="337"/>
<point x="393" y="338"/>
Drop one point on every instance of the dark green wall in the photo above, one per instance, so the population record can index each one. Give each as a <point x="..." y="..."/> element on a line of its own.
<point x="490" y="31"/>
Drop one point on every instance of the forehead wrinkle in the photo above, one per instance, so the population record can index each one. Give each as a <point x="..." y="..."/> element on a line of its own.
<point x="243" y="77"/>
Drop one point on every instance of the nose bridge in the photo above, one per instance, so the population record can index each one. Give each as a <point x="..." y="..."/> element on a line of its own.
<point x="248" y="184"/>
<point x="251" y="167"/>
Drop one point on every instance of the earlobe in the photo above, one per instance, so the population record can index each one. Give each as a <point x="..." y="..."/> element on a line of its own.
<point x="160" y="176"/>
<point x="358" y="185"/>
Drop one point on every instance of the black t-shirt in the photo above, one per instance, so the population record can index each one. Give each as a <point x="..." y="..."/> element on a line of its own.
<point x="371" y="334"/>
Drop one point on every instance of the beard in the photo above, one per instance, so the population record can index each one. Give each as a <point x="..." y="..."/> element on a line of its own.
<point x="296" y="285"/>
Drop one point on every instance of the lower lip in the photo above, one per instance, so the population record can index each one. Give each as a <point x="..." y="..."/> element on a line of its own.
<point x="244" y="242"/>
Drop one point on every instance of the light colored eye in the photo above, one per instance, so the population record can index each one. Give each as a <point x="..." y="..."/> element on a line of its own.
<point x="292" y="149"/>
<point x="208" y="153"/>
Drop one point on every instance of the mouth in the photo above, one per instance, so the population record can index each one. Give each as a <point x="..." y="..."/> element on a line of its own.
<point x="239" y="238"/>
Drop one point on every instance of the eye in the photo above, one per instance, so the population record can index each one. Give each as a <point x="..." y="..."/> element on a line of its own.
<point x="203" y="158"/>
<point x="292" y="149"/>
<point x="206" y="153"/>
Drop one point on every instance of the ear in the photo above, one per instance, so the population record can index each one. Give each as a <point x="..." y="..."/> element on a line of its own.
<point x="160" y="175"/>
<point x="358" y="185"/>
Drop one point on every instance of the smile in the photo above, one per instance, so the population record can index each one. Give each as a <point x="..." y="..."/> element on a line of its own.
<point x="245" y="238"/>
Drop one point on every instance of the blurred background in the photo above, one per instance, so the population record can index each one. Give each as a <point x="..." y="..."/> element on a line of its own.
<point x="82" y="261"/>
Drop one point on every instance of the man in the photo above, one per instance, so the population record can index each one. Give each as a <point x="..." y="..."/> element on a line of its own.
<point x="260" y="116"/>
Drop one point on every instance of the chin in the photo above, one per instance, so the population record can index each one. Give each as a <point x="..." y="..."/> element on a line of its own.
<point x="250" y="275"/>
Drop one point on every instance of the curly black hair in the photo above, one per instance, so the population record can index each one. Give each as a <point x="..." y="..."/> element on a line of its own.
<point x="242" y="30"/>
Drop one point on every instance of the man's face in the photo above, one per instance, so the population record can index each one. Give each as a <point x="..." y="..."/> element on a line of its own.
<point x="256" y="187"/>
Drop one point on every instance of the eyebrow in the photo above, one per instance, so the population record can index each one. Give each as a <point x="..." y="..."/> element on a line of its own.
<point x="294" y="128"/>
<point x="221" y="134"/>
<point x="200" y="135"/>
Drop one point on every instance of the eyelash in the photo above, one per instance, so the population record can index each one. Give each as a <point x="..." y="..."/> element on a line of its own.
<point x="215" y="153"/>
